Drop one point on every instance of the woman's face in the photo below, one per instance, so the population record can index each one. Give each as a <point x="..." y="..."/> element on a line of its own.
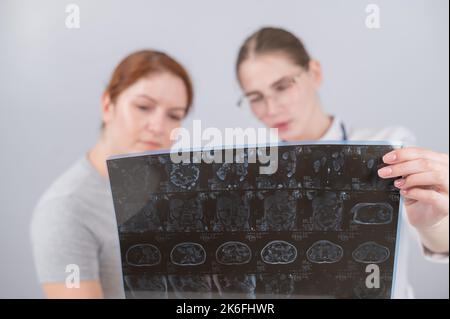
<point x="280" y="93"/>
<point x="144" y="115"/>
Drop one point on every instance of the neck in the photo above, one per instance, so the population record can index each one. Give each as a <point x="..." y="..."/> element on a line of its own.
<point x="318" y="124"/>
<point x="98" y="155"/>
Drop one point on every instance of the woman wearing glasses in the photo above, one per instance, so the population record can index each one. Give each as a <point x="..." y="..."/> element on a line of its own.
<point x="281" y="81"/>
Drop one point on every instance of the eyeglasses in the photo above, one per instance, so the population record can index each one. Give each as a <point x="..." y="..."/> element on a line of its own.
<point x="281" y="92"/>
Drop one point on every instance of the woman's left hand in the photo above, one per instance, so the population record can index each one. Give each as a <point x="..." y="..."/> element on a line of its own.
<point x="423" y="179"/>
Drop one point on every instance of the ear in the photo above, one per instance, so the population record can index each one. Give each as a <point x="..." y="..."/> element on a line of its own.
<point x="107" y="108"/>
<point x="316" y="72"/>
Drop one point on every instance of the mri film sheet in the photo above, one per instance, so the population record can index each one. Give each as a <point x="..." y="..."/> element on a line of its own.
<point x="210" y="230"/>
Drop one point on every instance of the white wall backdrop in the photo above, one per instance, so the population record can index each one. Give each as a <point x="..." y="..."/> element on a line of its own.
<point x="51" y="80"/>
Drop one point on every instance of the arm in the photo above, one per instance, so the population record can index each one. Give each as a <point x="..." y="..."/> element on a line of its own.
<point x="87" y="290"/>
<point x="423" y="179"/>
<point x="60" y="238"/>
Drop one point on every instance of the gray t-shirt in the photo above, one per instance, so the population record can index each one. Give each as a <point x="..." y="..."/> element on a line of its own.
<point x="74" y="223"/>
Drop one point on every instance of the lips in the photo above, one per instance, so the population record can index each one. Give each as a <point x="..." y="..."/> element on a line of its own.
<point x="151" y="144"/>
<point x="281" y="126"/>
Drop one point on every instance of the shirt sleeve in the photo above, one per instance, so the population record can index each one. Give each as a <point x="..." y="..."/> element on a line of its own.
<point x="60" y="240"/>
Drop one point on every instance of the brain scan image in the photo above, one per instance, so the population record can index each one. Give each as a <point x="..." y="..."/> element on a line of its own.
<point x="280" y="212"/>
<point x="184" y="175"/>
<point x="233" y="213"/>
<point x="143" y="255"/>
<point x="371" y="253"/>
<point x="279" y="252"/>
<point x="188" y="254"/>
<point x="284" y="177"/>
<point x="233" y="253"/>
<point x="322" y="163"/>
<point x="327" y="212"/>
<point x="185" y="215"/>
<point x="324" y="252"/>
<point x="372" y="213"/>
<point x="231" y="174"/>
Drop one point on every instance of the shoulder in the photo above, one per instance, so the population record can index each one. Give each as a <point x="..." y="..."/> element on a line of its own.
<point x="390" y="133"/>
<point x="62" y="203"/>
<point x="70" y="183"/>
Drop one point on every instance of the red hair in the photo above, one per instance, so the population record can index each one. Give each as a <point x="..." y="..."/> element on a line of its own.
<point x="142" y="63"/>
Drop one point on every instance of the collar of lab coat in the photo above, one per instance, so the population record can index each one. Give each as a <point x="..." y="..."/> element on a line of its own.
<point x="334" y="132"/>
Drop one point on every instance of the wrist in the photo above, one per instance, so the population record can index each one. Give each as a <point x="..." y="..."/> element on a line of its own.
<point x="436" y="237"/>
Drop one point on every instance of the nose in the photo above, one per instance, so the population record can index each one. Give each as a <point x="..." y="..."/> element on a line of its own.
<point x="155" y="122"/>
<point x="271" y="106"/>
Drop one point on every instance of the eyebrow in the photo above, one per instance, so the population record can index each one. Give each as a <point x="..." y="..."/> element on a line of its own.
<point x="147" y="97"/>
<point x="176" y="108"/>
<point x="284" y="78"/>
<point x="271" y="86"/>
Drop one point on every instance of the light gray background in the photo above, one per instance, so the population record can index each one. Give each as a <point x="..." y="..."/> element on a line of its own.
<point x="52" y="79"/>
